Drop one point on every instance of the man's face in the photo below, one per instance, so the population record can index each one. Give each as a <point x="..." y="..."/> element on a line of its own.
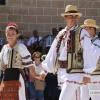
<point x="35" y="33"/>
<point x="71" y="20"/>
<point x="90" y="30"/>
<point x="54" y="31"/>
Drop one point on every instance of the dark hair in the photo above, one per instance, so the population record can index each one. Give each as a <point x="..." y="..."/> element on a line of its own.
<point x="95" y="30"/>
<point x="13" y="29"/>
<point x="34" y="31"/>
<point x="20" y="36"/>
<point x="99" y="34"/>
<point x="60" y="28"/>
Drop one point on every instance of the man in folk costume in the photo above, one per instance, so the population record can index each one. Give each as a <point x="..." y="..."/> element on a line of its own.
<point x="63" y="48"/>
<point x="94" y="84"/>
<point x="13" y="58"/>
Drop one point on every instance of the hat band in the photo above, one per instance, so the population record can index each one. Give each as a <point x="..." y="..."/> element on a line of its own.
<point x="72" y="11"/>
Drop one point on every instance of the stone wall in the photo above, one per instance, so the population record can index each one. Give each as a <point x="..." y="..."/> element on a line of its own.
<point x="43" y="15"/>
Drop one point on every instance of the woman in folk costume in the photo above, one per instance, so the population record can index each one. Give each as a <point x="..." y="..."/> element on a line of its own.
<point x="94" y="84"/>
<point x="60" y="49"/>
<point x="13" y="58"/>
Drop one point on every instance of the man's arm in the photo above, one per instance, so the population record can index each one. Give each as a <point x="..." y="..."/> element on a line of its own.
<point x="48" y="63"/>
<point x="89" y="64"/>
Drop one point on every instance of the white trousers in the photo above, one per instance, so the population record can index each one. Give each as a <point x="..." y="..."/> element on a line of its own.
<point x="68" y="91"/>
<point x="77" y="93"/>
<point x="84" y="92"/>
<point x="94" y="87"/>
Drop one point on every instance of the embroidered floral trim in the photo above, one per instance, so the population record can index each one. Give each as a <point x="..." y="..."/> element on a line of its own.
<point x="82" y="38"/>
<point x="86" y="36"/>
<point x="67" y="81"/>
<point x="73" y="82"/>
<point x="95" y="82"/>
<point x="96" y="45"/>
<point x="59" y="39"/>
<point x="87" y="73"/>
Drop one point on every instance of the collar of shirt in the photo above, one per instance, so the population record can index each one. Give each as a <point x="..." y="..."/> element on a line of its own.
<point x="71" y="28"/>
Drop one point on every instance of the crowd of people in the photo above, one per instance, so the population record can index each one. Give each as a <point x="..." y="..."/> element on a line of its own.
<point x="70" y="70"/>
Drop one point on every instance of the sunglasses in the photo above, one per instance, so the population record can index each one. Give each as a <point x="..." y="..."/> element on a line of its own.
<point x="36" y="56"/>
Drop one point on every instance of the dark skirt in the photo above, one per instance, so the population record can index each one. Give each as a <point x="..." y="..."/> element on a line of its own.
<point x="9" y="87"/>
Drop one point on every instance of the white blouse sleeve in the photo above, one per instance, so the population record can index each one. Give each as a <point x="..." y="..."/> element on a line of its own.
<point x="48" y="63"/>
<point x="26" y="56"/>
<point x="89" y="63"/>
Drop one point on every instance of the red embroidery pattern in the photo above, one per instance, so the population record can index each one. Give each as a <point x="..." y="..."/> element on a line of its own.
<point x="67" y="81"/>
<point x="96" y="45"/>
<point x="82" y="38"/>
<point x="87" y="73"/>
<point x="60" y="38"/>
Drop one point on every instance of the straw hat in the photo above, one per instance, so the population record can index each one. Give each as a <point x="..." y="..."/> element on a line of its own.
<point x="90" y="22"/>
<point x="71" y="10"/>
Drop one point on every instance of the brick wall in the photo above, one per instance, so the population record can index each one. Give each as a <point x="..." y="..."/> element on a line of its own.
<point x="43" y="15"/>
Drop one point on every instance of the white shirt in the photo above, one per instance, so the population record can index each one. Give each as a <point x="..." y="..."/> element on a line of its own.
<point x="48" y="63"/>
<point x="33" y="39"/>
<point x="23" y="52"/>
<point x="96" y="56"/>
<point x="38" y="68"/>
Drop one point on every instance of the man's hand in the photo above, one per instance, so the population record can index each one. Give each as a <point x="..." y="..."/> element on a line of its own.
<point x="86" y="80"/>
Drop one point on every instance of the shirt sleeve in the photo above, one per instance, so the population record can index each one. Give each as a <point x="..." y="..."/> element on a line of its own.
<point x="29" y="42"/>
<point x="49" y="62"/>
<point x="48" y="41"/>
<point x="26" y="56"/>
<point x="89" y="63"/>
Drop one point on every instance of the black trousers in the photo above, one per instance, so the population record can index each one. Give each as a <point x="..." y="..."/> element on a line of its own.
<point x="51" y="82"/>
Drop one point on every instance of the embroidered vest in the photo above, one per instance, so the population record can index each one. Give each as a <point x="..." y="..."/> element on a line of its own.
<point x="13" y="56"/>
<point x="59" y="39"/>
<point x="75" y="52"/>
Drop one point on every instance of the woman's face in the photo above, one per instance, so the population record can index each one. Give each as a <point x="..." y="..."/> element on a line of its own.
<point x="11" y="35"/>
<point x="37" y="57"/>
